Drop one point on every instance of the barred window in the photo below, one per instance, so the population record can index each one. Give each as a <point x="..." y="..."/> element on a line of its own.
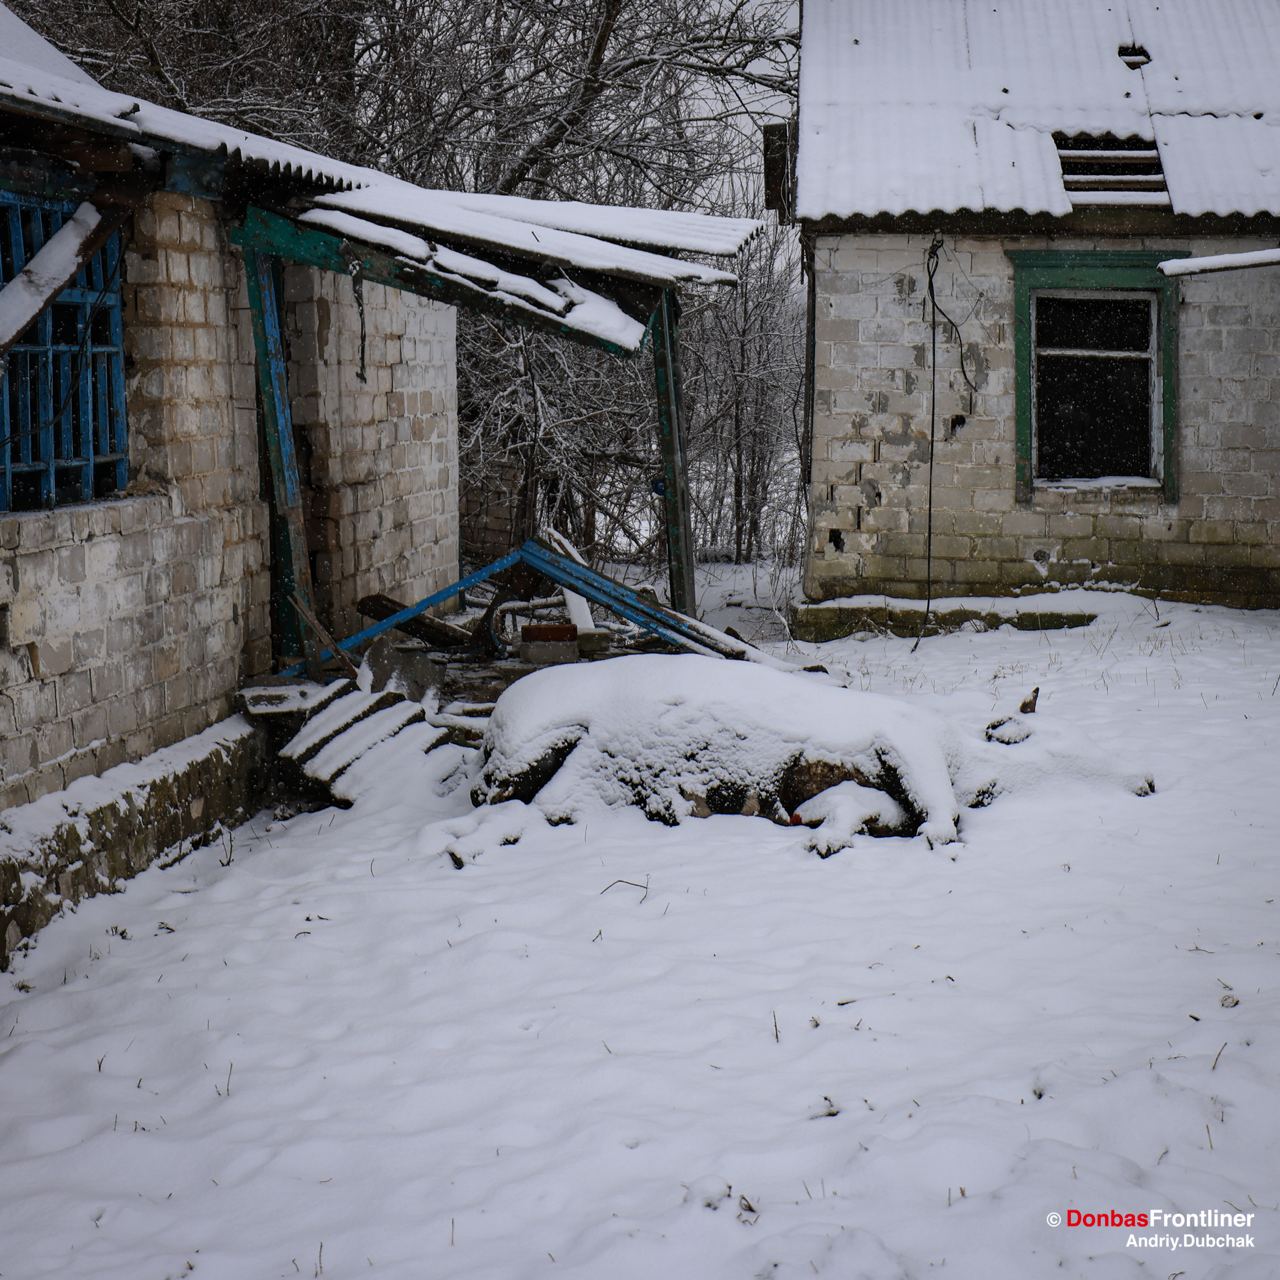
<point x="63" y="436"/>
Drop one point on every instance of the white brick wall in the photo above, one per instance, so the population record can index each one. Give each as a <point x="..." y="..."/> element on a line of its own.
<point x="130" y="623"/>
<point x="381" y="455"/>
<point x="127" y="625"/>
<point x="1220" y="540"/>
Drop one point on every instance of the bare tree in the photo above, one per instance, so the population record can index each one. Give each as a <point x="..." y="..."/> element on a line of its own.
<point x="611" y="101"/>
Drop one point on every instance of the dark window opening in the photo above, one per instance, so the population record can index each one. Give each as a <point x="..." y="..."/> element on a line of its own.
<point x="63" y="435"/>
<point x="1134" y="56"/>
<point x="1095" y="385"/>
<point x="1108" y="169"/>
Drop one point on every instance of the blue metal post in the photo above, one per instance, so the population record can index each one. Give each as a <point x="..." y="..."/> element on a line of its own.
<point x="292" y="576"/>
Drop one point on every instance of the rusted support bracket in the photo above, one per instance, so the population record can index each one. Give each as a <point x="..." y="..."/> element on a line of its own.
<point x="675" y="475"/>
<point x="292" y="575"/>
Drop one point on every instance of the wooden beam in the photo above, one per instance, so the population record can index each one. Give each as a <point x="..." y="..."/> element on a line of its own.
<point x="270" y="233"/>
<point x="291" y="574"/>
<point x="675" y="475"/>
<point x="36" y="287"/>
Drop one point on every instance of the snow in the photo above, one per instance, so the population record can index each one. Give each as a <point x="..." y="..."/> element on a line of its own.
<point x="1220" y="262"/>
<point x="672" y="728"/>
<point x="385" y="211"/>
<point x="622" y="1049"/>
<point x="23" y="45"/>
<point x="440" y="212"/>
<point x="655" y="228"/>
<point x="23" y="829"/>
<point x="575" y="307"/>
<point x="911" y="105"/>
<point x="27" y="294"/>
<point x="1102" y="482"/>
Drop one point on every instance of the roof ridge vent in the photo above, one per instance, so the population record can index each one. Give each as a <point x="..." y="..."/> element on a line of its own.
<point x="1107" y="169"/>
<point x="1134" y="56"/>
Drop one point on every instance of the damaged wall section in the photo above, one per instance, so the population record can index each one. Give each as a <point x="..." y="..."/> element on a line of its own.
<point x="1219" y="540"/>
<point x="379" y="456"/>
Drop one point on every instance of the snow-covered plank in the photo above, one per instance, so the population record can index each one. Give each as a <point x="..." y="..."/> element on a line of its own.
<point x="392" y="757"/>
<point x="651" y="228"/>
<point x="580" y="313"/>
<point x="384" y="199"/>
<point x="49" y="272"/>
<point x="348" y="746"/>
<point x="302" y="698"/>
<point x="1220" y="262"/>
<point x="332" y="720"/>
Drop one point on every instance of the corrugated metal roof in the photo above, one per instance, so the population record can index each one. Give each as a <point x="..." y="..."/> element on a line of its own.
<point x="948" y="105"/>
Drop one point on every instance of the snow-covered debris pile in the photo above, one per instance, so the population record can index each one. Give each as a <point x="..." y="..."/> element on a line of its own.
<point x="689" y="736"/>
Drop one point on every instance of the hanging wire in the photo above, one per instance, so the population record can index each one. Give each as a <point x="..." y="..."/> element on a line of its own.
<point x="931" y="270"/>
<point x="930" y="301"/>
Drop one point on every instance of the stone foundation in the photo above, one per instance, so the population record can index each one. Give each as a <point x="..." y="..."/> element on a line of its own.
<point x="100" y="831"/>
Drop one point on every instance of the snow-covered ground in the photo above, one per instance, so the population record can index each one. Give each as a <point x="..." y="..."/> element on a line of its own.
<point x="617" y="1049"/>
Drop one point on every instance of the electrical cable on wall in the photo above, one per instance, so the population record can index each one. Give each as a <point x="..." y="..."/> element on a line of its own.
<point x="931" y="299"/>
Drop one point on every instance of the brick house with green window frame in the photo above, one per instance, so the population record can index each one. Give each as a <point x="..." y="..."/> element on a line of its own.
<point x="1004" y="392"/>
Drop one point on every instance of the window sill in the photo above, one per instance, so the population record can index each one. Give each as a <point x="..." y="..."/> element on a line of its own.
<point x="1107" y="484"/>
<point x="1131" y="491"/>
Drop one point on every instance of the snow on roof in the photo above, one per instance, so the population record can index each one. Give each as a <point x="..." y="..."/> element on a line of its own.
<point x="386" y="199"/>
<point x="943" y="105"/>
<point x="575" y="307"/>
<point x="23" y="45"/>
<point x="557" y="239"/>
<point x="651" y="228"/>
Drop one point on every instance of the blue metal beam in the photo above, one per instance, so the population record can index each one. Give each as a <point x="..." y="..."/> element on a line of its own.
<point x="684" y="632"/>
<point x="292" y="570"/>
<point x="438" y="597"/>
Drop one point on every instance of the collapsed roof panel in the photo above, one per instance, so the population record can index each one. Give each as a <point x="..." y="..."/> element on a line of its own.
<point x="576" y="309"/>
<point x="385" y="199"/>
<point x="649" y="228"/>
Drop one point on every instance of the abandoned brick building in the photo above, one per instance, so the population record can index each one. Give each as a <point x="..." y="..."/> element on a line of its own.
<point x="229" y="384"/>
<point x="1016" y="174"/>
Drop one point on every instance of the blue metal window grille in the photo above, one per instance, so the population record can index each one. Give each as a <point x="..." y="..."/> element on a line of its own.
<point x="63" y="436"/>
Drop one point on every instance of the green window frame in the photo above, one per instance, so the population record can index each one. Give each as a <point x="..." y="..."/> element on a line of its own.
<point x="1094" y="271"/>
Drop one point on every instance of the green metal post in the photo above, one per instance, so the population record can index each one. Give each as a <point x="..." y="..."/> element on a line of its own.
<point x="292" y="573"/>
<point x="675" y="477"/>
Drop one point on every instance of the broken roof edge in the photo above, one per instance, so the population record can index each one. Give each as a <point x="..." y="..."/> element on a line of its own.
<point x="338" y="242"/>
<point x="38" y="92"/>
<point x="693" y="232"/>
<point x="427" y="211"/>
